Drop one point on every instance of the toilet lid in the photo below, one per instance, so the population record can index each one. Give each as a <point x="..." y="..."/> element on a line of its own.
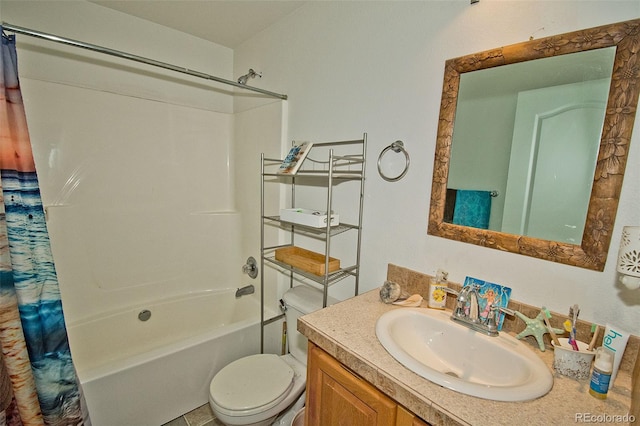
<point x="253" y="383"/>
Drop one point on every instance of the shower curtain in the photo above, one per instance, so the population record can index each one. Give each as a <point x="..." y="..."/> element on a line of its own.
<point x="38" y="384"/>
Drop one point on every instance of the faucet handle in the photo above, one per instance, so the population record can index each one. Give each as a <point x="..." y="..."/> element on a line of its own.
<point x="493" y="311"/>
<point x="507" y="311"/>
<point x="451" y="291"/>
<point x="463" y="291"/>
<point x="459" y="310"/>
<point x="251" y="267"/>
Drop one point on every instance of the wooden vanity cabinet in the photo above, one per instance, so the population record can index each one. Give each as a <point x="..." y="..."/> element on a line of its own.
<point x="336" y="396"/>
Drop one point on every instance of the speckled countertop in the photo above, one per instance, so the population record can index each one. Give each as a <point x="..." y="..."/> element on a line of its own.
<point x="347" y="332"/>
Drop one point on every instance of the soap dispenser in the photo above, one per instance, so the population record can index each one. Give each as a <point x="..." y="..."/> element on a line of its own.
<point x="437" y="294"/>
<point x="601" y="375"/>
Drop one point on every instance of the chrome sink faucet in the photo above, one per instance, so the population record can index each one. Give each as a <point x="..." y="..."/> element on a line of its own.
<point x="468" y="296"/>
<point x="467" y="311"/>
<point x="466" y="304"/>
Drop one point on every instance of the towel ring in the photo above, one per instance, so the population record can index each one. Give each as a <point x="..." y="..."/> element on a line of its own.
<point x="397" y="146"/>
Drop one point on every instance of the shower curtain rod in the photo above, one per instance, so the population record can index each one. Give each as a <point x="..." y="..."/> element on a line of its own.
<point x="124" y="55"/>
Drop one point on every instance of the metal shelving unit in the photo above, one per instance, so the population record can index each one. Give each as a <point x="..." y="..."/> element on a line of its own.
<point x="325" y="166"/>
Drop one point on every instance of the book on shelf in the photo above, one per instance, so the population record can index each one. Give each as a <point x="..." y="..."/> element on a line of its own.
<point x="295" y="158"/>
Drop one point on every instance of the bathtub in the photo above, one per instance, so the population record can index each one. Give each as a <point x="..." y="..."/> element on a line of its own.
<point x="136" y="372"/>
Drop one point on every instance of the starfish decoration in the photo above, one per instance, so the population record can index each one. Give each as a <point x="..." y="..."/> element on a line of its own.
<point x="535" y="327"/>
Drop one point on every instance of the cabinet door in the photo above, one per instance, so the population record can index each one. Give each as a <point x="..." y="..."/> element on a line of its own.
<point x="407" y="418"/>
<point x="337" y="397"/>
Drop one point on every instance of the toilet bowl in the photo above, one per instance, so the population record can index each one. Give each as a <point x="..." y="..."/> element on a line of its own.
<point x="254" y="390"/>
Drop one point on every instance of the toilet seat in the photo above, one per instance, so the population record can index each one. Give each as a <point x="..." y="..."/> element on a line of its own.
<point x="251" y="385"/>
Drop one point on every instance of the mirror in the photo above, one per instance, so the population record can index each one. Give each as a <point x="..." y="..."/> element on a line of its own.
<point x="506" y="164"/>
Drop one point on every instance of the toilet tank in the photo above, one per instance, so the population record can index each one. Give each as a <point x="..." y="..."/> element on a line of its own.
<point x="301" y="300"/>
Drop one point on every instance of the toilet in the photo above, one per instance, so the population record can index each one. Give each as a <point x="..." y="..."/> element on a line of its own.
<point x="256" y="389"/>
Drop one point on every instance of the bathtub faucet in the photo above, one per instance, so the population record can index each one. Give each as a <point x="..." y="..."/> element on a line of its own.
<point x="249" y="289"/>
<point x="251" y="267"/>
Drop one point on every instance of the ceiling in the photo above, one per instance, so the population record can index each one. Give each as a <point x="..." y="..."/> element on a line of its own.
<point x="225" y="22"/>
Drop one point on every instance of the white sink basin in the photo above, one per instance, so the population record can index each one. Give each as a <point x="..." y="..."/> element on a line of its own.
<point x="428" y="343"/>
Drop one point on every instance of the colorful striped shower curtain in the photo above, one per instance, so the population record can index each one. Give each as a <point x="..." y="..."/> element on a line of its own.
<point x="38" y="384"/>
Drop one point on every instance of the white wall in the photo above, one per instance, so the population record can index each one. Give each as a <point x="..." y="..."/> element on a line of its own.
<point x="377" y="67"/>
<point x="87" y="22"/>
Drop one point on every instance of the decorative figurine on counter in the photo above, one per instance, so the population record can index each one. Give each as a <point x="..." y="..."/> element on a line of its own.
<point x="391" y="291"/>
<point x="536" y="327"/>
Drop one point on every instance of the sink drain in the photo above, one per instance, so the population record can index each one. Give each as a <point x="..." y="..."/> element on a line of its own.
<point x="451" y="373"/>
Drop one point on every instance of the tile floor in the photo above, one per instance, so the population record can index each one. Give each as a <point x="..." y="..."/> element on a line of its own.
<point x="201" y="416"/>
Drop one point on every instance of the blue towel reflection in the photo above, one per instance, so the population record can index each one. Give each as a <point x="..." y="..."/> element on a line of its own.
<point x="472" y="208"/>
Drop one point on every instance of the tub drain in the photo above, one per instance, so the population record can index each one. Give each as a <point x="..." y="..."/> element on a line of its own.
<point x="144" y="315"/>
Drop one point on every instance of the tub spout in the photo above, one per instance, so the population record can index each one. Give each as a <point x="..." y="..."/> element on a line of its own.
<point x="249" y="289"/>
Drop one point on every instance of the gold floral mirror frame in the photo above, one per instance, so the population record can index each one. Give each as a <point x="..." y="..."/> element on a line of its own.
<point x="612" y="156"/>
